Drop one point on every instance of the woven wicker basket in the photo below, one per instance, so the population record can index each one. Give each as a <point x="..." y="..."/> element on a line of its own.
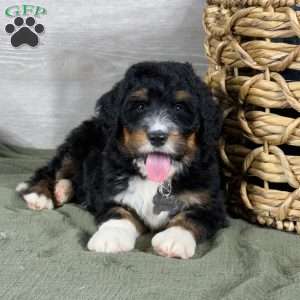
<point x="254" y="71"/>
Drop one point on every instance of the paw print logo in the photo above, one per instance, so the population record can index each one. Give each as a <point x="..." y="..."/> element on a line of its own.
<point x="22" y="34"/>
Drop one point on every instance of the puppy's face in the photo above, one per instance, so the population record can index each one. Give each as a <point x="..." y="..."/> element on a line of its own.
<point x="162" y="114"/>
<point x="160" y="121"/>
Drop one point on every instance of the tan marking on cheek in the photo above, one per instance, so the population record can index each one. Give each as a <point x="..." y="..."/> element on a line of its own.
<point x="194" y="198"/>
<point x="176" y="138"/>
<point x="182" y="96"/>
<point x="183" y="221"/>
<point x="186" y="145"/>
<point x="125" y="214"/>
<point x="191" y="142"/>
<point x="135" y="139"/>
<point x="138" y="138"/>
<point x="191" y="147"/>
<point x="126" y="136"/>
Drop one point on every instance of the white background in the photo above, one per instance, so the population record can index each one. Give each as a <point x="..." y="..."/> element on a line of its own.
<point x="87" y="46"/>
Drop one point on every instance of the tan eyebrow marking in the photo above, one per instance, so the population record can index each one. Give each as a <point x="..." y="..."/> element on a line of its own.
<point x="141" y="93"/>
<point x="182" y="95"/>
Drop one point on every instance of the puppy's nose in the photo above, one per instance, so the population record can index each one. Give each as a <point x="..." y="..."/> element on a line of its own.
<point x="157" y="138"/>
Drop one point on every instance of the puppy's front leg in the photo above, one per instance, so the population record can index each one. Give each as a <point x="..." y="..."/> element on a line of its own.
<point x="186" y="229"/>
<point x="178" y="240"/>
<point x="118" y="233"/>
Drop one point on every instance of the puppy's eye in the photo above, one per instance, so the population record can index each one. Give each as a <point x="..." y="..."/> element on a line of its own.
<point x="179" y="107"/>
<point x="140" y="107"/>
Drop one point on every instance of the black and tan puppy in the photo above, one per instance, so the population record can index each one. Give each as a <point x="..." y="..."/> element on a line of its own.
<point x="146" y="161"/>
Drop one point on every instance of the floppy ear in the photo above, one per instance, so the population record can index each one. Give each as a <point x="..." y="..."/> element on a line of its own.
<point x="108" y="108"/>
<point x="209" y="111"/>
<point x="210" y="115"/>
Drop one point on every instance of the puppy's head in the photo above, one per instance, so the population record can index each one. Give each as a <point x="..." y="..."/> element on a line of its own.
<point x="162" y="114"/>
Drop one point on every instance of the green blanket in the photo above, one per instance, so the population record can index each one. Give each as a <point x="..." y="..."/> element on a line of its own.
<point x="43" y="255"/>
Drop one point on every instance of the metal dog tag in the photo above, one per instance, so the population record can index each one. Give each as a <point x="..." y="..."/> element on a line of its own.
<point x="165" y="201"/>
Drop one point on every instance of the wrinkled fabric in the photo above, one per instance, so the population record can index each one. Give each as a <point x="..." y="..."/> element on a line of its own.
<point x="43" y="255"/>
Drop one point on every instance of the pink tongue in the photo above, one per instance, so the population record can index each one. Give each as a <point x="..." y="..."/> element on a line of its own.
<point x="158" y="167"/>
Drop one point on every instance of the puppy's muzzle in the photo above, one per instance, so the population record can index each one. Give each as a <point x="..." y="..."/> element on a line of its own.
<point x="157" y="138"/>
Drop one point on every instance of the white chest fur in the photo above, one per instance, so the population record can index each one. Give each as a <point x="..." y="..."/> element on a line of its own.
<point x="139" y="196"/>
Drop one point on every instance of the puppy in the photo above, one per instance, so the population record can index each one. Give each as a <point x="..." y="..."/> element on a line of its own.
<point x="147" y="161"/>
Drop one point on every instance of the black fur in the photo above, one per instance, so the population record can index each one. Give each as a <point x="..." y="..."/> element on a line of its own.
<point x="101" y="165"/>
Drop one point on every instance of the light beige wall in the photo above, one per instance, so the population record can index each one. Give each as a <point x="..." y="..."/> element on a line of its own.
<point x="87" y="46"/>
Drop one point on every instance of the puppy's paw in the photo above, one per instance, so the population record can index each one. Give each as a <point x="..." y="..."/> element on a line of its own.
<point x="174" y="242"/>
<point x="114" y="236"/>
<point x="38" y="202"/>
<point x="63" y="191"/>
<point x="22" y="187"/>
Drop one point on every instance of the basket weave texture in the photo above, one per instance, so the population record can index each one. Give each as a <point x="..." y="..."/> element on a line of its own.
<point x="254" y="71"/>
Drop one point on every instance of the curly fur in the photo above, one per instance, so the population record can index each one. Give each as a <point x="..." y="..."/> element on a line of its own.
<point x="94" y="158"/>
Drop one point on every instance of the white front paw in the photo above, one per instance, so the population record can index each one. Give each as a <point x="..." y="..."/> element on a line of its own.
<point x="175" y="242"/>
<point x="114" y="236"/>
